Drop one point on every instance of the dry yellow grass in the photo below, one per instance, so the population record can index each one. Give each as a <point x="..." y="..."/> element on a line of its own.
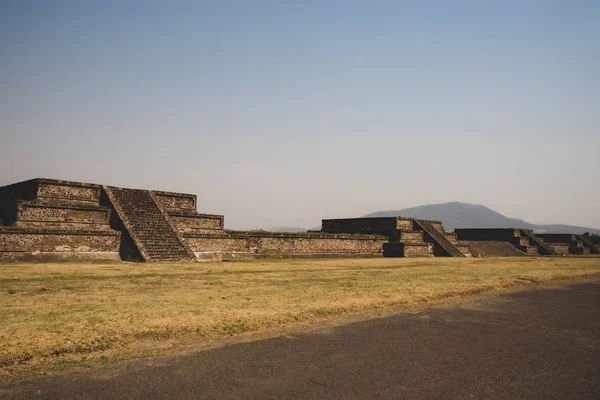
<point x="57" y="314"/>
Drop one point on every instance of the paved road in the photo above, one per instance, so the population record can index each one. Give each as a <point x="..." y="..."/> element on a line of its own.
<point x="529" y="344"/>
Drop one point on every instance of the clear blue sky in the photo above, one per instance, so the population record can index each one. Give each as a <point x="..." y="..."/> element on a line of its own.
<point x="280" y="113"/>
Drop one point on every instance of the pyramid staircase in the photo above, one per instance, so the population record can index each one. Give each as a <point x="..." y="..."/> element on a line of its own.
<point x="588" y="245"/>
<point x="148" y="225"/>
<point x="522" y="239"/>
<point x="424" y="238"/>
<point x="569" y="243"/>
<point x="535" y="243"/>
<point x="442" y="245"/>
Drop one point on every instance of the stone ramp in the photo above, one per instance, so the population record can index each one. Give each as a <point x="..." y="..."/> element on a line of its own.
<point x="148" y="225"/>
<point x="544" y="249"/>
<point x="439" y="239"/>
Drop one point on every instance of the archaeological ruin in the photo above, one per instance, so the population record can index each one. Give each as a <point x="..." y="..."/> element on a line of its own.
<point x="405" y="236"/>
<point x="53" y="219"/>
<point x="514" y="241"/>
<point x="522" y="239"/>
<point x="566" y="243"/>
<point x="61" y="220"/>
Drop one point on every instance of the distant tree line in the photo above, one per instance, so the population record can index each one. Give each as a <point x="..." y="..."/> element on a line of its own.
<point x="593" y="237"/>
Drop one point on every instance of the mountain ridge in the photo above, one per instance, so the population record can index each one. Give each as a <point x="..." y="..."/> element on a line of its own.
<point x="465" y="215"/>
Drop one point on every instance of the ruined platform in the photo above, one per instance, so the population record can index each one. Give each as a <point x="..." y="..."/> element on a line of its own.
<point x="236" y="245"/>
<point x="521" y="239"/>
<point x="53" y="219"/>
<point x="408" y="237"/>
<point x="567" y="243"/>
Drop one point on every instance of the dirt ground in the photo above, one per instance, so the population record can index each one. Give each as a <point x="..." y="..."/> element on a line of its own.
<point x="58" y="316"/>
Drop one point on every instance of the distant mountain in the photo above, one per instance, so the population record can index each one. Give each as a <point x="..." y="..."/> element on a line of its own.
<point x="463" y="215"/>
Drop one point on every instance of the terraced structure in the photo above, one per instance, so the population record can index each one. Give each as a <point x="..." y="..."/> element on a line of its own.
<point x="523" y="240"/>
<point x="53" y="219"/>
<point x="408" y="237"/>
<point x="148" y="225"/>
<point x="567" y="243"/>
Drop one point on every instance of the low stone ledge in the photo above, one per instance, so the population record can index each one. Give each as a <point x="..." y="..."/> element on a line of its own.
<point x="402" y="249"/>
<point x="71" y="243"/>
<point x="34" y="212"/>
<point x="185" y="222"/>
<point x="60" y="225"/>
<point x="16" y="256"/>
<point x="67" y="183"/>
<point x="173" y="201"/>
<point x="64" y="205"/>
<point x="58" y="231"/>
<point x="186" y="212"/>
<point x="174" y="194"/>
<point x="284" y="235"/>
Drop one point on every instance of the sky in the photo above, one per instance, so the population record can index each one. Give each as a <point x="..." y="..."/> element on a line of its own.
<point x="281" y="113"/>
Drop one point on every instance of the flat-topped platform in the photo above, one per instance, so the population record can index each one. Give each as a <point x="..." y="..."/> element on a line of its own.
<point x="415" y="235"/>
<point x="58" y="243"/>
<point x="569" y="243"/>
<point x="522" y="239"/>
<point x="78" y="220"/>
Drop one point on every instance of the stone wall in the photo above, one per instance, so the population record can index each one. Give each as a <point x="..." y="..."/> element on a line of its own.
<point x="398" y="249"/>
<point x="251" y="244"/>
<point x="170" y="200"/>
<point x="10" y="194"/>
<point x="52" y="219"/>
<point x="381" y="226"/>
<point x="418" y="250"/>
<point x="42" y="212"/>
<point x="500" y="234"/>
<point x="560" y="248"/>
<point x="415" y="236"/>
<point x="198" y="223"/>
<point x="24" y="244"/>
<point x="557" y="237"/>
<point x="378" y="225"/>
<point x="56" y="189"/>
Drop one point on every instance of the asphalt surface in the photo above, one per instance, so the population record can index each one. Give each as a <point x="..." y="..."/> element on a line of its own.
<point x="542" y="343"/>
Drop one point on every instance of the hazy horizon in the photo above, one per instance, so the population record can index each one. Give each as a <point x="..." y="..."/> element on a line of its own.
<point x="283" y="114"/>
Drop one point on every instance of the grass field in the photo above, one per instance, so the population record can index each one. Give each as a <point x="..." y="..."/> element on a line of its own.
<point x="59" y="315"/>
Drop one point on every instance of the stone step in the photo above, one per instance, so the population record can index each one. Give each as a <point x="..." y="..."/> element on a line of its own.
<point x="148" y="226"/>
<point x="411" y="235"/>
<point x="543" y="248"/>
<point x="396" y="249"/>
<point x="435" y="234"/>
<point x="33" y="211"/>
<point x="451" y="237"/>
